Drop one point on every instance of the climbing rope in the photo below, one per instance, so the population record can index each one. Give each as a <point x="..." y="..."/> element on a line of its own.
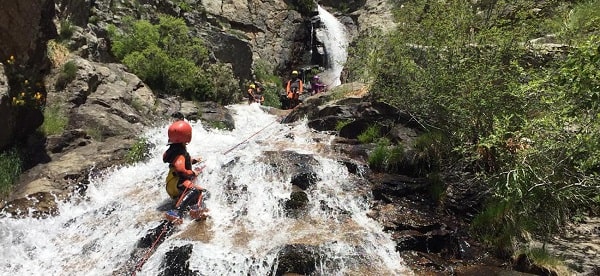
<point x="139" y="265"/>
<point x="245" y="140"/>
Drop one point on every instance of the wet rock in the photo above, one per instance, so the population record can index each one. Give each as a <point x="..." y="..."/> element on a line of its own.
<point x="304" y="179"/>
<point x="156" y="235"/>
<point x="299" y="166"/>
<point x="44" y="202"/>
<point x="387" y="187"/>
<point x="297" y="202"/>
<point x="177" y="262"/>
<point x="296" y="258"/>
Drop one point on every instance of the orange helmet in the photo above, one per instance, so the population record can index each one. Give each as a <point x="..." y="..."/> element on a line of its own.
<point x="180" y="132"/>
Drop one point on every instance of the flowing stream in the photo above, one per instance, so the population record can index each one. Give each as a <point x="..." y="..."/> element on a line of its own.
<point x="95" y="234"/>
<point x="335" y="38"/>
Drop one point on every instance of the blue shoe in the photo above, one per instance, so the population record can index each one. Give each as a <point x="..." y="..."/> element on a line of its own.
<point x="174" y="217"/>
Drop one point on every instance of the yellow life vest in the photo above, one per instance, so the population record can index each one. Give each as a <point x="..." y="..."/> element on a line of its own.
<point x="172" y="180"/>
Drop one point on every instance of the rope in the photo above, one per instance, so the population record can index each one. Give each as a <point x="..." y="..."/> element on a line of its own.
<point x="245" y="140"/>
<point x="138" y="267"/>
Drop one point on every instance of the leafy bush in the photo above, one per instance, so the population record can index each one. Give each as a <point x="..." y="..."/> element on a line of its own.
<point x="10" y="169"/>
<point x="171" y="61"/>
<point x="377" y="157"/>
<point x="66" y="30"/>
<point x="369" y="135"/>
<point x="386" y="157"/>
<point x="139" y="151"/>
<point x="271" y="83"/>
<point x="526" y="131"/>
<point x="66" y="75"/>
<point x="582" y="21"/>
<point x="341" y="124"/>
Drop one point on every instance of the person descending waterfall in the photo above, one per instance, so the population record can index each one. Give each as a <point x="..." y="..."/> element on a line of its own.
<point x="180" y="179"/>
<point x="255" y="94"/>
<point x="316" y="85"/>
<point x="294" y="89"/>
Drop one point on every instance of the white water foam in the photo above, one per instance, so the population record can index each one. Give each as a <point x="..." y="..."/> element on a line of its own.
<point x="95" y="235"/>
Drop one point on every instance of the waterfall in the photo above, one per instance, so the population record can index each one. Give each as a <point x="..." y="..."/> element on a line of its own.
<point x="335" y="38"/>
<point x="95" y="234"/>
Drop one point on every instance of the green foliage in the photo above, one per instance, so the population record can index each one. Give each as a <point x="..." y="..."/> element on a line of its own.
<point x="224" y="85"/>
<point x="66" y="30"/>
<point x="430" y="148"/>
<point x="341" y="124"/>
<point x="139" y="151"/>
<point x="271" y="94"/>
<point x="386" y="157"/>
<point x="271" y="83"/>
<point x="542" y="258"/>
<point x="10" y="169"/>
<point x="527" y="131"/>
<point x="582" y="21"/>
<point x="55" y="120"/>
<point x="363" y="55"/>
<point x="67" y="74"/>
<point x="437" y="187"/>
<point x="171" y="61"/>
<point x="264" y="73"/>
<point x="370" y="134"/>
<point x="377" y="157"/>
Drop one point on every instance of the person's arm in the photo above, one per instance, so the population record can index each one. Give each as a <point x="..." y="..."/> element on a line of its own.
<point x="301" y="86"/>
<point x="179" y="165"/>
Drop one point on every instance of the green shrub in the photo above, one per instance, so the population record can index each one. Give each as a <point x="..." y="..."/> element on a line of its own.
<point x="271" y="94"/>
<point x="525" y="130"/>
<point x="341" y="124"/>
<point x="171" y="61"/>
<point x="369" y="135"/>
<point x="271" y="83"/>
<point x="430" y="149"/>
<point x="66" y="30"/>
<point x="10" y="169"/>
<point x="67" y="74"/>
<point x="55" y="120"/>
<point x="139" y="151"/>
<point x="394" y="158"/>
<point x="386" y="157"/>
<point x="437" y="186"/>
<point x="582" y="21"/>
<point x="377" y="158"/>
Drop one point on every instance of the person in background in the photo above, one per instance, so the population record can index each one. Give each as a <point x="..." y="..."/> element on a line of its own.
<point x="293" y="89"/>
<point x="180" y="180"/>
<point x="251" y="93"/>
<point x="316" y="85"/>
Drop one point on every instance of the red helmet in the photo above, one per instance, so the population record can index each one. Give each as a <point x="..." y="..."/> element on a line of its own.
<point x="180" y="132"/>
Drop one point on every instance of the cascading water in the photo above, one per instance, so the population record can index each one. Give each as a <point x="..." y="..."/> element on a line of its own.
<point x="96" y="234"/>
<point x="335" y="38"/>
